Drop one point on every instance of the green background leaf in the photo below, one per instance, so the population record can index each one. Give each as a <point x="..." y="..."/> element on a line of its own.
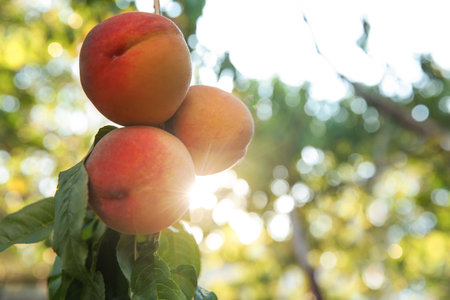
<point x="31" y="224"/>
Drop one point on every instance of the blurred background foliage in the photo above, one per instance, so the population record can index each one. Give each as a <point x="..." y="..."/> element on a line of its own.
<point x="347" y="199"/>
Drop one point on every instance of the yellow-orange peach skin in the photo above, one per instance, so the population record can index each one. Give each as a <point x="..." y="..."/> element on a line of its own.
<point x="139" y="179"/>
<point x="135" y="68"/>
<point x="215" y="126"/>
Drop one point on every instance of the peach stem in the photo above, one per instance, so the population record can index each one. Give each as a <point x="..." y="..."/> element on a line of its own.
<point x="157" y="8"/>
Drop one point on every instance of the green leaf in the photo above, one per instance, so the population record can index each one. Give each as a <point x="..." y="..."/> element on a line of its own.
<point x="70" y="207"/>
<point x="71" y="200"/>
<point x="54" y="280"/>
<point x="167" y="290"/>
<point x="186" y="278"/>
<point x="79" y="290"/>
<point x="58" y="282"/>
<point x="31" y="224"/>
<point x="60" y="287"/>
<point x="132" y="246"/>
<point x="204" y="294"/>
<point x="102" y="132"/>
<point x="116" y="285"/>
<point x="88" y="293"/>
<point x="99" y="231"/>
<point x="147" y="269"/>
<point x="178" y="247"/>
<point x="125" y="254"/>
<point x="150" y="279"/>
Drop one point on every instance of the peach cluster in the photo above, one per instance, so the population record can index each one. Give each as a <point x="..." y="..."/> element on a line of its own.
<point x="135" y="68"/>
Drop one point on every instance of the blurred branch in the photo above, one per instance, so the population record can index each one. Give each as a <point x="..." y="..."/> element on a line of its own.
<point x="301" y="254"/>
<point x="388" y="108"/>
<point x="385" y="105"/>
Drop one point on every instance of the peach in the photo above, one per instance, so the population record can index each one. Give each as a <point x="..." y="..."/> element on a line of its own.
<point x="139" y="179"/>
<point x="215" y="126"/>
<point x="135" y="68"/>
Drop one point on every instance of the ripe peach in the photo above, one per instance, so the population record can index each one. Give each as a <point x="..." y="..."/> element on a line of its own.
<point x="135" y="68"/>
<point x="215" y="126"/>
<point x="139" y="177"/>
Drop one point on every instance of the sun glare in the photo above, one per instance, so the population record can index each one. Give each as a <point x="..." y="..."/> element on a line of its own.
<point x="202" y="193"/>
<point x="229" y="210"/>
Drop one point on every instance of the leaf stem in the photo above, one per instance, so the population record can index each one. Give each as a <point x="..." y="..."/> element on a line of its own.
<point x="157" y="7"/>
